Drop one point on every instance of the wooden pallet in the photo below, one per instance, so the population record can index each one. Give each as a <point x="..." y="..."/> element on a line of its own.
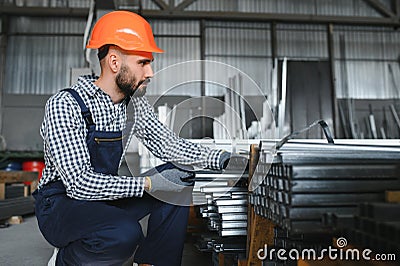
<point x="21" y="205"/>
<point x="7" y="177"/>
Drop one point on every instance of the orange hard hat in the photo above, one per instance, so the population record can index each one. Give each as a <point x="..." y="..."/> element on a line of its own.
<point x="125" y="29"/>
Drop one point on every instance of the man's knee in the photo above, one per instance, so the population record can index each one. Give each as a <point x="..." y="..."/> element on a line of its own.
<point x="118" y="240"/>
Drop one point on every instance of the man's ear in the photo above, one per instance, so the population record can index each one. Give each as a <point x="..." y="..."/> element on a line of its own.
<point x="114" y="62"/>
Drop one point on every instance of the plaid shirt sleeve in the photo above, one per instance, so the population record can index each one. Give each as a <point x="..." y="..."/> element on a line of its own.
<point x="64" y="135"/>
<point x="164" y="143"/>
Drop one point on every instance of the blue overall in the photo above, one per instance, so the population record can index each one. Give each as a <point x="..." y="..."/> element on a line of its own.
<point x="108" y="232"/>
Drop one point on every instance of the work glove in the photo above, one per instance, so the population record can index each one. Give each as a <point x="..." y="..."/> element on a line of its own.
<point x="233" y="162"/>
<point x="171" y="180"/>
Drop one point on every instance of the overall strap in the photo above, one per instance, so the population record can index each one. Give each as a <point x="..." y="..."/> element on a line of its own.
<point x="87" y="115"/>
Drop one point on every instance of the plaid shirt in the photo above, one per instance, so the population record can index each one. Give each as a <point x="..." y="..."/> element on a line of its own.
<point x="67" y="155"/>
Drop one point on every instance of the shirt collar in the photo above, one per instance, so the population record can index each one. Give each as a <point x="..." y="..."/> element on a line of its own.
<point x="87" y="82"/>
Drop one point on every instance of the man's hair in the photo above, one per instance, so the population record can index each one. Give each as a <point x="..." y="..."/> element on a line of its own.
<point x="103" y="51"/>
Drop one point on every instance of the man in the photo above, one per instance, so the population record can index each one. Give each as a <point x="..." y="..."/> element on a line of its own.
<point x="84" y="208"/>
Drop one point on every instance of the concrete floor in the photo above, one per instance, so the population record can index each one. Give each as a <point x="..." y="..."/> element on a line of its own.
<point x="23" y="245"/>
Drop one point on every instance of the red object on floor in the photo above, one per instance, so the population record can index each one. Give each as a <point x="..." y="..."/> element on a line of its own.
<point x="33" y="166"/>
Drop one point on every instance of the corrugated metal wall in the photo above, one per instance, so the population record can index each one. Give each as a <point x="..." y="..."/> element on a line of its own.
<point x="40" y="64"/>
<point x="369" y="52"/>
<point x="40" y="53"/>
<point x="302" y="42"/>
<point x="315" y="7"/>
<point x="181" y="42"/>
<point x="245" y="46"/>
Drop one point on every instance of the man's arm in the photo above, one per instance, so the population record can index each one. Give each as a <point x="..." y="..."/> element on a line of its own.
<point x="64" y="137"/>
<point x="164" y="143"/>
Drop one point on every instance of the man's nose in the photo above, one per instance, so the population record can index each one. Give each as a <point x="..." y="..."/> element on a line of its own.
<point x="148" y="71"/>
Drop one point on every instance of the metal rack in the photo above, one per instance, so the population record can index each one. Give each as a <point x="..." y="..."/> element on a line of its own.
<point x="308" y="189"/>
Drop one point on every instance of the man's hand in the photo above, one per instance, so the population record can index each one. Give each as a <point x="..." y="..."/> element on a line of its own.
<point x="233" y="161"/>
<point x="171" y="180"/>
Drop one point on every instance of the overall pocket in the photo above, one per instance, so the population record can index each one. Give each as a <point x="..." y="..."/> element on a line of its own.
<point x="105" y="151"/>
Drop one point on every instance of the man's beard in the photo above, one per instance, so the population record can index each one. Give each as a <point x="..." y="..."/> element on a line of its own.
<point x="126" y="83"/>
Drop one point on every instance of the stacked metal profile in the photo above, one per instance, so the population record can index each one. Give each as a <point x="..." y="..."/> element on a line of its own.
<point x="284" y="239"/>
<point x="225" y="208"/>
<point x="376" y="227"/>
<point x="303" y="183"/>
<point x="222" y="198"/>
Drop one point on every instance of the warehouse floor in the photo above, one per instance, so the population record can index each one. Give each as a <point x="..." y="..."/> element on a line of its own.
<point x="23" y="245"/>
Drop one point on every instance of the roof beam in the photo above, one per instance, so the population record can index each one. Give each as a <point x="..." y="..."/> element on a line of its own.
<point x="268" y="17"/>
<point x="161" y="4"/>
<point x="44" y="11"/>
<point x="380" y="8"/>
<point x="184" y="4"/>
<point x="221" y="16"/>
<point x="396" y="7"/>
<point x="105" y="4"/>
